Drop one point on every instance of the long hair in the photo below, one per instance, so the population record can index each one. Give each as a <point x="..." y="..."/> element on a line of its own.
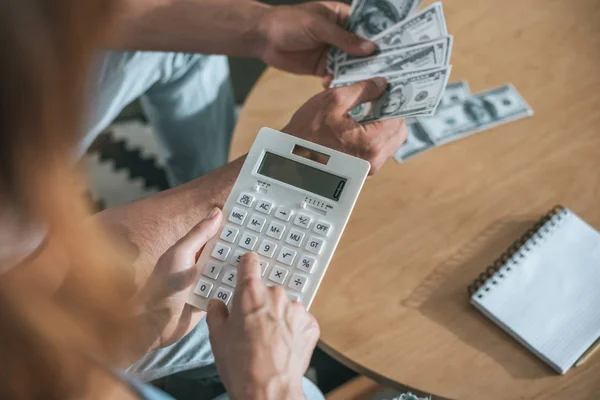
<point x="49" y="343"/>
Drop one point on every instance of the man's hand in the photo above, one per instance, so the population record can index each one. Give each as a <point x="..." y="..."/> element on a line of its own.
<point x="324" y="119"/>
<point x="298" y="38"/>
<point x="263" y="347"/>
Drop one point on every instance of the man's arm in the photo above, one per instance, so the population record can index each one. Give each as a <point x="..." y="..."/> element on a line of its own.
<point x="194" y="26"/>
<point x="150" y="226"/>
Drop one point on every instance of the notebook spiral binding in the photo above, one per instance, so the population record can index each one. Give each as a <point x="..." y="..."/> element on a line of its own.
<point x="492" y="269"/>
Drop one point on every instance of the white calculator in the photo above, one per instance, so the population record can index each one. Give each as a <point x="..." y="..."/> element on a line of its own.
<point x="290" y="205"/>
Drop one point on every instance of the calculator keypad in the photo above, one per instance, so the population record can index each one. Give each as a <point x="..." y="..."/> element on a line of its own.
<point x="286" y="240"/>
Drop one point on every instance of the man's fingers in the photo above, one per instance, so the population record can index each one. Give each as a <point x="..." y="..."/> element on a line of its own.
<point x="187" y="247"/>
<point x="348" y="97"/>
<point x="216" y="314"/>
<point x="250" y="292"/>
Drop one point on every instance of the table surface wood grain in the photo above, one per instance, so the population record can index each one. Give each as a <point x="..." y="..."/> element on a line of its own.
<point x="393" y="303"/>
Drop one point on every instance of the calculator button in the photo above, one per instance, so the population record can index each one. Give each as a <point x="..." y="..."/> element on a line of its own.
<point x="293" y="297"/>
<point x="283" y="213"/>
<point x="238" y="216"/>
<point x="203" y="288"/>
<point x="278" y="274"/>
<point x="229" y="277"/>
<point x="294" y="238"/>
<point x="306" y="264"/>
<point x="237" y="257"/>
<point x="221" y="251"/>
<point x="302" y="220"/>
<point x="245" y="199"/>
<point x="248" y="241"/>
<point x="263" y="267"/>
<point x="264" y="206"/>
<point x="223" y="294"/>
<point x="298" y="282"/>
<point x="275" y="230"/>
<point x="229" y="234"/>
<point x="212" y="270"/>
<point x="267" y="248"/>
<point x="256" y="223"/>
<point x="322" y="228"/>
<point x="314" y="245"/>
<point x="286" y="256"/>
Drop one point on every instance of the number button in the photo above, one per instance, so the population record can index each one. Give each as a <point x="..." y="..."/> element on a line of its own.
<point x="283" y="213"/>
<point x="322" y="228"/>
<point x="286" y="256"/>
<point x="264" y="206"/>
<point x="257" y="223"/>
<point x="237" y="257"/>
<point x="294" y="238"/>
<point x="275" y="230"/>
<point x="263" y="267"/>
<point x="203" y="288"/>
<point x="267" y="248"/>
<point x="212" y="270"/>
<point x="278" y="274"/>
<point x="306" y="264"/>
<point x="298" y="282"/>
<point x="314" y="245"/>
<point x="229" y="234"/>
<point x="245" y="199"/>
<point x="220" y="252"/>
<point x="229" y="277"/>
<point x="248" y="241"/>
<point x="223" y="294"/>
<point x="302" y="221"/>
<point x="238" y="216"/>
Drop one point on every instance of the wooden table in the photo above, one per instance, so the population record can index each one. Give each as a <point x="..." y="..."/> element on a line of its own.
<point x="393" y="303"/>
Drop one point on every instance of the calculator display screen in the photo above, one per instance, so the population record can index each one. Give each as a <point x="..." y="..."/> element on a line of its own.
<point x="302" y="176"/>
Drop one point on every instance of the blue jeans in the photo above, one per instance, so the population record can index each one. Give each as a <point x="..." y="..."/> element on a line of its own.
<point x="189" y="102"/>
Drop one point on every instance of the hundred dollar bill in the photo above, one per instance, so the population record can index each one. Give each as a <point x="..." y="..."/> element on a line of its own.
<point x="430" y="55"/>
<point x="369" y="18"/>
<point x="392" y="76"/>
<point x="456" y="92"/>
<point x="406" y="95"/>
<point x="417" y="142"/>
<point x="479" y="112"/>
<point x="424" y="26"/>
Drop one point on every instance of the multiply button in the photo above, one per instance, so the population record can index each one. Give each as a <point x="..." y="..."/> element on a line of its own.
<point x="302" y="221"/>
<point x="238" y="216"/>
<point x="322" y="228"/>
<point x="314" y="245"/>
<point x="278" y="274"/>
<point x="245" y="199"/>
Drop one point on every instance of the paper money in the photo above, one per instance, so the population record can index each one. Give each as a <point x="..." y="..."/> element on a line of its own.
<point x="430" y="55"/>
<point x="369" y="18"/>
<point x="479" y="112"/>
<point x="417" y="142"/>
<point x="456" y="92"/>
<point x="406" y="95"/>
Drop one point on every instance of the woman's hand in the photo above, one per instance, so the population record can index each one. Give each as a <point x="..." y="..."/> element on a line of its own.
<point x="166" y="317"/>
<point x="324" y="120"/>
<point x="263" y="347"/>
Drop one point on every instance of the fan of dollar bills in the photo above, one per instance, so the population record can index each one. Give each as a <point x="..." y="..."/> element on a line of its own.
<point x="413" y="53"/>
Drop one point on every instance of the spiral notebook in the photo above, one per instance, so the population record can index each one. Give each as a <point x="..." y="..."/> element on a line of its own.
<point x="545" y="289"/>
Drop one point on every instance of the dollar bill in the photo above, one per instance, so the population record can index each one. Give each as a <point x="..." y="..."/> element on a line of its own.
<point x="480" y="112"/>
<point x="456" y="92"/>
<point x="430" y="55"/>
<point x="417" y="142"/>
<point x="369" y="18"/>
<point x="424" y="26"/>
<point x="414" y="94"/>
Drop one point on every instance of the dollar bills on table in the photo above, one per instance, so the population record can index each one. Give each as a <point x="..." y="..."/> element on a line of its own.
<point x="479" y="112"/>
<point x="456" y="92"/>
<point x="424" y="26"/>
<point x="369" y="18"/>
<point x="417" y="142"/>
<point x="406" y="95"/>
<point x="430" y="55"/>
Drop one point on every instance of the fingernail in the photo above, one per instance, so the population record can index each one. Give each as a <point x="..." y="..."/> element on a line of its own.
<point x="367" y="46"/>
<point x="380" y="81"/>
<point x="213" y="213"/>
